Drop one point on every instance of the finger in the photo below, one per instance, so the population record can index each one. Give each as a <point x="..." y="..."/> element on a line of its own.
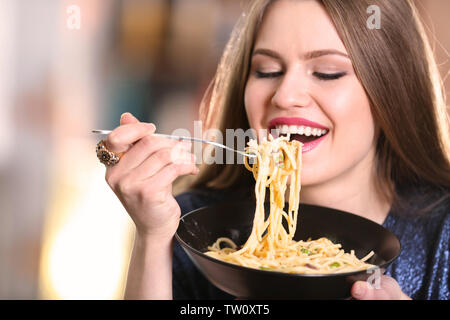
<point x="359" y="290"/>
<point x="145" y="148"/>
<point x="153" y="164"/>
<point x="128" y="118"/>
<point x="387" y="290"/>
<point x="121" y="138"/>
<point x="154" y="186"/>
<point x="167" y="175"/>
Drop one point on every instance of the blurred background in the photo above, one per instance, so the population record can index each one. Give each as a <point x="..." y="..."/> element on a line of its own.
<point x="69" y="66"/>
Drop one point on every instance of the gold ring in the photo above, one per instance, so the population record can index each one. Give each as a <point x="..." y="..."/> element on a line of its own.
<point x="108" y="158"/>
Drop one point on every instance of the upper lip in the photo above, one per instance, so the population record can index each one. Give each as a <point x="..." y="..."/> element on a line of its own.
<point x="295" y="121"/>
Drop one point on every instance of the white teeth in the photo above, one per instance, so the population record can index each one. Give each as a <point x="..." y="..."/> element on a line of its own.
<point x="292" y="129"/>
<point x="305" y="130"/>
<point x="308" y="131"/>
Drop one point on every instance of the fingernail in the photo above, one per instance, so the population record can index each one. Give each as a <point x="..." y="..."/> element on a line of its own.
<point x="151" y="126"/>
<point x="123" y="114"/>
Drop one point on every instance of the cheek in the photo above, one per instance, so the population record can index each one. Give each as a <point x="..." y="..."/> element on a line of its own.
<point x="355" y="130"/>
<point x="255" y="99"/>
<point x="347" y="107"/>
<point x="352" y="138"/>
<point x="352" y="119"/>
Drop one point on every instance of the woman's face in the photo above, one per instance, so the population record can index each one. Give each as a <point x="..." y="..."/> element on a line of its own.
<point x="302" y="81"/>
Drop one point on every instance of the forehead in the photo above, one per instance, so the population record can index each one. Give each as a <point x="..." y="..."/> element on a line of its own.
<point x="301" y="25"/>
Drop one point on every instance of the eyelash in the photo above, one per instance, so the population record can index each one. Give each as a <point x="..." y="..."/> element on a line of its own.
<point x="263" y="75"/>
<point x="329" y="76"/>
<point x="321" y="76"/>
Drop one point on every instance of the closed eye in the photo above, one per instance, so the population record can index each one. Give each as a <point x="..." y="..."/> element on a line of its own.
<point x="329" y="76"/>
<point x="260" y="74"/>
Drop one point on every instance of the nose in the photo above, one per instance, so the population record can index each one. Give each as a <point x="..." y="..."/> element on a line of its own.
<point x="292" y="91"/>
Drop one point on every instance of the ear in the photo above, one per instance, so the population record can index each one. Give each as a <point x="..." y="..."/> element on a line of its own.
<point x="128" y="118"/>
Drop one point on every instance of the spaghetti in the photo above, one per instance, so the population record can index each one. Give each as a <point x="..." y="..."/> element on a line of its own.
<point x="270" y="246"/>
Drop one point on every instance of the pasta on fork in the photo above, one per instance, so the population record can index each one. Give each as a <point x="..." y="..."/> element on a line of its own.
<point x="270" y="245"/>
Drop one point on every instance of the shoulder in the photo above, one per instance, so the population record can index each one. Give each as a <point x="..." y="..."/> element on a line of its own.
<point x="427" y="213"/>
<point x="424" y="232"/>
<point x="423" y="202"/>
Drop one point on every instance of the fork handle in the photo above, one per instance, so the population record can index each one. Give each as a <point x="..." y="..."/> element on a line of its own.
<point x="189" y="139"/>
<point x="161" y="135"/>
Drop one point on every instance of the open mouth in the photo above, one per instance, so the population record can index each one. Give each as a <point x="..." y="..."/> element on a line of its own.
<point x="304" y="134"/>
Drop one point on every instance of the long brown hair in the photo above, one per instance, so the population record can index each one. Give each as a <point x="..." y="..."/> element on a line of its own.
<point x="397" y="69"/>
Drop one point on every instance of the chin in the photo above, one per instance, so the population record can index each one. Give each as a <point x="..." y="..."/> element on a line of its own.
<point x="310" y="180"/>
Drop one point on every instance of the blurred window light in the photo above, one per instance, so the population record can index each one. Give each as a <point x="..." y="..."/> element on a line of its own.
<point x="85" y="255"/>
<point x="7" y="79"/>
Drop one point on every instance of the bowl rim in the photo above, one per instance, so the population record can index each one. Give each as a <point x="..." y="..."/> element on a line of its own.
<point x="381" y="267"/>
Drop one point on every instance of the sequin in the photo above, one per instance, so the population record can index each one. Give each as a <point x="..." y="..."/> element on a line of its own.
<point x="422" y="269"/>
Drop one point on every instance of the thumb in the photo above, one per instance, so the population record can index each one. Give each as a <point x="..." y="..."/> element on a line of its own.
<point x="389" y="290"/>
<point x="128" y="118"/>
<point x="360" y="290"/>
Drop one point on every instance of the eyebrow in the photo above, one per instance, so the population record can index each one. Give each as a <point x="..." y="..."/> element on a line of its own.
<point x="307" y="56"/>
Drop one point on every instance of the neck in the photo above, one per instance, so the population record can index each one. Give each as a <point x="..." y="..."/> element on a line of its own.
<point x="352" y="192"/>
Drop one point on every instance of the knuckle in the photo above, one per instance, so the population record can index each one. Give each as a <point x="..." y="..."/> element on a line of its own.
<point x="153" y="194"/>
<point x="177" y="169"/>
<point x="183" y="169"/>
<point x="160" y="197"/>
<point x="147" y="141"/>
<point x="124" y="186"/>
<point x="114" y="139"/>
<point x="164" y="155"/>
<point x="143" y="192"/>
<point x="172" y="171"/>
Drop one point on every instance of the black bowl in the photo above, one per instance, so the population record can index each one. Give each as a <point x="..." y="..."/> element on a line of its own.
<point x="201" y="228"/>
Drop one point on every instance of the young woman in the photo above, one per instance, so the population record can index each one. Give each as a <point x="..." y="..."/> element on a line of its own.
<point x="384" y="155"/>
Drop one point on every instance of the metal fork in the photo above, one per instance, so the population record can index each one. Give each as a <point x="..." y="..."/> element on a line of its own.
<point x="250" y="155"/>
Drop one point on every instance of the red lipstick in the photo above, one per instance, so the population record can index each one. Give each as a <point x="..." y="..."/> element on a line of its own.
<point x="309" y="143"/>
<point x="295" y="121"/>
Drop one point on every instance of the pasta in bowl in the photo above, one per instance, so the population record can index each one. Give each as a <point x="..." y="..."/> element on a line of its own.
<point x="324" y="243"/>
<point x="202" y="227"/>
